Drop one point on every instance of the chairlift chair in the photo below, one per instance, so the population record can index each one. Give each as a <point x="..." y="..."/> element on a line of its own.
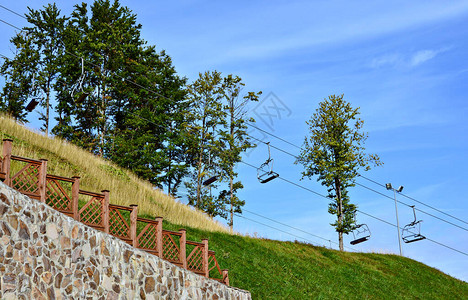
<point x="79" y="86"/>
<point x="361" y="233"/>
<point x="32" y="104"/>
<point x="412" y="231"/>
<point x="265" y="171"/>
<point x="35" y="100"/>
<point x="82" y="96"/>
<point x="212" y="178"/>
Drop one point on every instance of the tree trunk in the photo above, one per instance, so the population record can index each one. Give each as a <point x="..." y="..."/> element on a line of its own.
<point x="198" y="179"/>
<point x="231" y="222"/>
<point x="231" y="186"/>
<point x="46" y="127"/>
<point x="103" y="124"/>
<point x="340" y="212"/>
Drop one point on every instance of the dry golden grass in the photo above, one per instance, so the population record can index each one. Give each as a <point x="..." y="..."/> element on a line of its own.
<point x="97" y="174"/>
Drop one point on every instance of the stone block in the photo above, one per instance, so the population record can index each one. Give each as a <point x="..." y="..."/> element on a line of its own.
<point x="51" y="231"/>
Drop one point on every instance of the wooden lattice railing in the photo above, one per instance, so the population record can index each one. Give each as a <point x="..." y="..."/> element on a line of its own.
<point x="29" y="177"/>
<point x="93" y="209"/>
<point x="95" y="212"/>
<point x="62" y="193"/>
<point x="121" y="220"/>
<point x="148" y="238"/>
<point x="197" y="256"/>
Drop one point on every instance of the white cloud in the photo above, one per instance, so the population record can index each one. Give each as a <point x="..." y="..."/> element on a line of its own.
<point x="386" y="60"/>
<point x="408" y="60"/>
<point x="423" y="56"/>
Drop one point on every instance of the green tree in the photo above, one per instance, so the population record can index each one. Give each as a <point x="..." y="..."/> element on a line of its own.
<point x="13" y="98"/>
<point x="149" y="129"/>
<point x="33" y="71"/>
<point x="108" y="38"/>
<point x="205" y="95"/>
<point x="218" y="129"/>
<point x="134" y="113"/>
<point x="334" y="151"/>
<point x="233" y="138"/>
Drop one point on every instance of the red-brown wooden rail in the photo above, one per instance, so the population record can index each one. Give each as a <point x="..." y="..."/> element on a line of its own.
<point x="63" y="194"/>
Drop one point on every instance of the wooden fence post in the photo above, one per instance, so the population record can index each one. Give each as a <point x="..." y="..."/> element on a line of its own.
<point x="183" y="248"/>
<point x="133" y="224"/>
<point x="205" y="258"/>
<point x="7" y="146"/>
<point x="225" y="277"/>
<point x="159" y="237"/>
<point x="42" y="183"/>
<point x="105" y="211"/>
<point x="75" y="196"/>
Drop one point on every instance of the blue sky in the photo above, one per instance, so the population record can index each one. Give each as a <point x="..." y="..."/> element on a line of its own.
<point x="404" y="63"/>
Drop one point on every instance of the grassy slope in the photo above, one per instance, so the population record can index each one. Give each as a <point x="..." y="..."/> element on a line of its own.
<point x="269" y="269"/>
<point x="98" y="174"/>
<point x="287" y="270"/>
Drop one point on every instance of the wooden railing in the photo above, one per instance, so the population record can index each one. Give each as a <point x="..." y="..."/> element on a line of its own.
<point x="93" y="209"/>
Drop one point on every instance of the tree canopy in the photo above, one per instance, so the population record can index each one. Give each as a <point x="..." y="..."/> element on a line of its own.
<point x="111" y="93"/>
<point x="334" y="152"/>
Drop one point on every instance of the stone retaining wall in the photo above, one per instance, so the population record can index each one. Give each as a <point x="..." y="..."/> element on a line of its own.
<point x="47" y="255"/>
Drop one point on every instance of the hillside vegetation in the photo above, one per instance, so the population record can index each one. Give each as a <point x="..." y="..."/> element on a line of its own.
<point x="98" y="174"/>
<point x="268" y="269"/>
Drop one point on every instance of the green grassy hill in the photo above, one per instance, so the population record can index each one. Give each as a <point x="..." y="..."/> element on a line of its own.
<point x="268" y="269"/>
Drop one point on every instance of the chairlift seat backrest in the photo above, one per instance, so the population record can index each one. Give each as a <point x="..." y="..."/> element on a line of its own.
<point x="82" y="97"/>
<point x="360" y="240"/>
<point x="31" y="105"/>
<point x="210" y="180"/>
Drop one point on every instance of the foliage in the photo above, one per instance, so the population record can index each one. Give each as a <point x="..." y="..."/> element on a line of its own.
<point x="106" y="40"/>
<point x="119" y="98"/>
<point x="132" y="114"/>
<point x="32" y="73"/>
<point x="66" y="159"/>
<point x="334" y="151"/>
<point x="233" y="138"/>
<point x="218" y="130"/>
<point x="206" y="115"/>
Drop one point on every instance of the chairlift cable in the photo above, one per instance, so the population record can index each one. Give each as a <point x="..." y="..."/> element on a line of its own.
<point x="415" y="200"/>
<point x="364" y="186"/>
<point x="272" y="227"/>
<point x="382" y="194"/>
<point x="283" y="224"/>
<point x="12" y="11"/>
<point x="136" y="84"/>
<point x="403" y="203"/>
<point x="379" y="219"/>
<point x="273" y="135"/>
<point x="391" y="224"/>
<point x="272" y="146"/>
<point x="3" y="21"/>
<point x="248" y="123"/>
<point x="286" y="225"/>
